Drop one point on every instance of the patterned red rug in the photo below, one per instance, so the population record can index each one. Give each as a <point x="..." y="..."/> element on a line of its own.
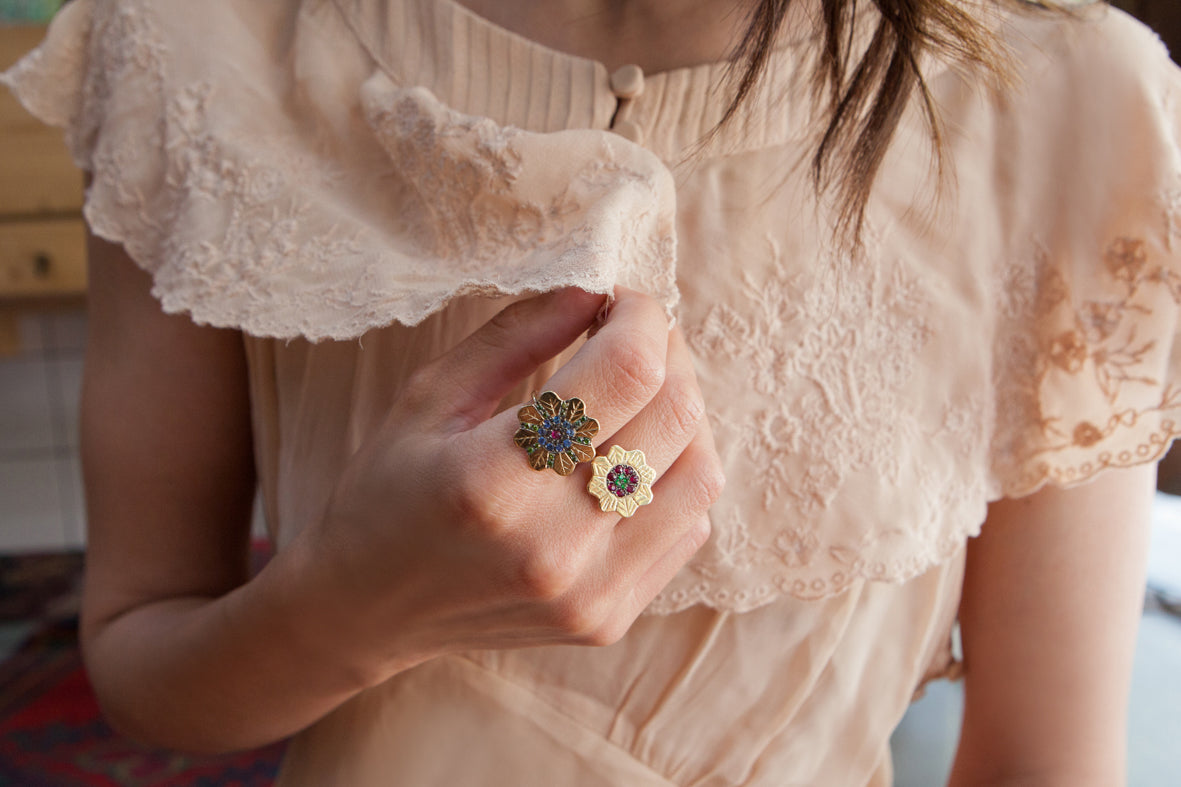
<point x="51" y="731"/>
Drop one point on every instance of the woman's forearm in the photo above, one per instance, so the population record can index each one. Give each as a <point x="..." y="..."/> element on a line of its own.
<point x="218" y="674"/>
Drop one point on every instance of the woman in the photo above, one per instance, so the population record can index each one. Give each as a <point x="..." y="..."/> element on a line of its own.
<point x="967" y="317"/>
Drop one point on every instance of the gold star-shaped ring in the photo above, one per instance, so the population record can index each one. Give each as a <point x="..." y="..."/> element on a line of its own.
<point x="621" y="480"/>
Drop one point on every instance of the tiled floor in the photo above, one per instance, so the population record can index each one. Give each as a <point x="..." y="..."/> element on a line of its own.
<point x="40" y="482"/>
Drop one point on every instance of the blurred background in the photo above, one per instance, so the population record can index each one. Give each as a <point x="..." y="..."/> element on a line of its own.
<point x="50" y="729"/>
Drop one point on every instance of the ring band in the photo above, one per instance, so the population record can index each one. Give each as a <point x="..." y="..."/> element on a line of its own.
<point x="621" y="480"/>
<point x="556" y="433"/>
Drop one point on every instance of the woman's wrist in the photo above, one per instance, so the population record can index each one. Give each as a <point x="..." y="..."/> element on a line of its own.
<point x="302" y="597"/>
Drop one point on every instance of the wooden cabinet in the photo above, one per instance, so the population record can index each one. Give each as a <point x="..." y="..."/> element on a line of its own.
<point x="42" y="258"/>
<point x="37" y="175"/>
<point x="42" y="237"/>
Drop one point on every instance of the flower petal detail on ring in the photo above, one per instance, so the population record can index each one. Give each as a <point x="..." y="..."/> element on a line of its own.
<point x="539" y="459"/>
<point x="525" y="438"/>
<point x="529" y="415"/>
<point x="627" y="505"/>
<point x="564" y="464"/>
<point x="575" y="410"/>
<point x="642" y="496"/>
<point x="588" y="429"/>
<point x="582" y="453"/>
<point x="549" y="404"/>
<point x="616" y="456"/>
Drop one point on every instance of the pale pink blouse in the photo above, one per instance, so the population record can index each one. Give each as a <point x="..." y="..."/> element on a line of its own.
<point x="358" y="184"/>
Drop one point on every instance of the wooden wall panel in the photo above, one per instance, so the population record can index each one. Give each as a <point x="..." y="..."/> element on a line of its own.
<point x="37" y="175"/>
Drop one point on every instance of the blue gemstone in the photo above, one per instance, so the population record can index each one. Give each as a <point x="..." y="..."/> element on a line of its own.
<point x="556" y="434"/>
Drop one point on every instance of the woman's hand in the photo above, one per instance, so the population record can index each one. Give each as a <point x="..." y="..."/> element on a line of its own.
<point x="440" y="537"/>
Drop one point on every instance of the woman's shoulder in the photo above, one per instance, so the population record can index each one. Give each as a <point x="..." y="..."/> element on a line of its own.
<point x="1091" y="28"/>
<point x="1088" y="50"/>
<point x="1082" y="131"/>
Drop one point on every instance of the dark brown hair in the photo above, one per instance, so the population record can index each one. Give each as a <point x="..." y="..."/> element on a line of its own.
<point x="866" y="92"/>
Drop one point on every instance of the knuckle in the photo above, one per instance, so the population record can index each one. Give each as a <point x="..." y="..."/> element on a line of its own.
<point x="639" y="369"/>
<point x="547" y="578"/>
<point x="609" y="631"/>
<point x="685" y="405"/>
<point x="604" y="636"/>
<point x="707" y="485"/>
<point x="505" y="324"/>
<point x="421" y="387"/>
<point x="477" y="507"/>
<point x="699" y="532"/>
<point x="578" y="619"/>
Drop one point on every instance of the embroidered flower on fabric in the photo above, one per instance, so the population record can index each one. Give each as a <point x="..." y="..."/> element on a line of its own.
<point x="1069" y="351"/>
<point x="1087" y="434"/>
<point x="1107" y="359"/>
<point x="827" y="353"/>
<point x="1099" y="319"/>
<point x="1126" y="258"/>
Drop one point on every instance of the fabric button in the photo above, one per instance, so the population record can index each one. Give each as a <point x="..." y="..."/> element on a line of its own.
<point x="627" y="82"/>
<point x="629" y="130"/>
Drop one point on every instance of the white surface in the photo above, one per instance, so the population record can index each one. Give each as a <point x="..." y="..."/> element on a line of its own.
<point x="924" y="743"/>
<point x="40" y="484"/>
<point x="69" y="482"/>
<point x="31" y="517"/>
<point x="65" y="385"/>
<point x="66" y="331"/>
<point x="25" y="418"/>
<point x="1164" y="556"/>
<point x="1154" y="719"/>
<point x="31" y="329"/>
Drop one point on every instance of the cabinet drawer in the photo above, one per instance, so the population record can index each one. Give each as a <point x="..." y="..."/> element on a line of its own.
<point x="37" y="174"/>
<point x="42" y="258"/>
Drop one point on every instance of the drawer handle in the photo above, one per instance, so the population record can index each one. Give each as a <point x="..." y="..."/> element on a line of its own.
<point x="41" y="265"/>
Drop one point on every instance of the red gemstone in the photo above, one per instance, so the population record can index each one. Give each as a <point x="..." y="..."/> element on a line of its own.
<point x="622" y="480"/>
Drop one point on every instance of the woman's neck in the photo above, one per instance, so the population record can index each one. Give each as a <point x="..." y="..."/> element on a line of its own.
<point x="656" y="35"/>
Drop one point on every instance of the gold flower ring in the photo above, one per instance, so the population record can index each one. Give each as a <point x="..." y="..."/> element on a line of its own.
<point x="621" y="480"/>
<point x="556" y="433"/>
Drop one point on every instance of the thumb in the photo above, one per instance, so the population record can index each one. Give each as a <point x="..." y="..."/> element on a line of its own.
<point x="484" y="367"/>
